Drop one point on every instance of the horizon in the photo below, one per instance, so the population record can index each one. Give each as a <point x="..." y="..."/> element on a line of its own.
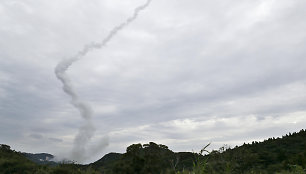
<point x="56" y="159"/>
<point x="207" y="147"/>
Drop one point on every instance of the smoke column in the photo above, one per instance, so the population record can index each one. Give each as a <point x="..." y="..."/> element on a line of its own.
<point x="86" y="132"/>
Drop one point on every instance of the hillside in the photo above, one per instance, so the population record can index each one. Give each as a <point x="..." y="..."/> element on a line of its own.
<point x="14" y="162"/>
<point x="274" y="155"/>
<point x="146" y="158"/>
<point x="270" y="156"/>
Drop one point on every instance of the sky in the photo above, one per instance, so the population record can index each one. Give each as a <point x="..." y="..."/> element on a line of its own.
<point x="183" y="74"/>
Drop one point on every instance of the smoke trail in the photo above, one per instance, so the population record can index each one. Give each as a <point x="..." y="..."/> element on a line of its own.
<point x="87" y="130"/>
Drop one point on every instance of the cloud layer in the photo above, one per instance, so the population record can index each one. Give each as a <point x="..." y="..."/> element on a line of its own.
<point x="184" y="74"/>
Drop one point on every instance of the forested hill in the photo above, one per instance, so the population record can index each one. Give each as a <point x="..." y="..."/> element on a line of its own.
<point x="274" y="155"/>
<point x="147" y="158"/>
<point x="287" y="153"/>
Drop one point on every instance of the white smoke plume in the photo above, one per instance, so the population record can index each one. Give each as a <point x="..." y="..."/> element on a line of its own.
<point x="86" y="132"/>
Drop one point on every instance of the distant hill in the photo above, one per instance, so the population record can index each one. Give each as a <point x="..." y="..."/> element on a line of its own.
<point x="285" y="155"/>
<point x="40" y="158"/>
<point x="107" y="159"/>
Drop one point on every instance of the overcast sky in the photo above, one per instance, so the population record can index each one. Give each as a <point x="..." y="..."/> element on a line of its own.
<point x="184" y="74"/>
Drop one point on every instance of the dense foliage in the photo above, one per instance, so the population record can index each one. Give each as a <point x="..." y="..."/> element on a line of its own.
<point x="12" y="162"/>
<point x="275" y="155"/>
<point x="151" y="159"/>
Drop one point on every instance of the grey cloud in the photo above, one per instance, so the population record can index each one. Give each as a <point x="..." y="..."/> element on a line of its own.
<point x="36" y="136"/>
<point x="180" y="60"/>
<point x="56" y="140"/>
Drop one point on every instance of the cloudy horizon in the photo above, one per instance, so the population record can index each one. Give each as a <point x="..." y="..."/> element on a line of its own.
<point x="183" y="74"/>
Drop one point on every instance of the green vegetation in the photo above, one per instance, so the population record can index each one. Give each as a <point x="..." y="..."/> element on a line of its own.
<point x="286" y="155"/>
<point x="151" y="158"/>
<point x="12" y="162"/>
<point x="271" y="156"/>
